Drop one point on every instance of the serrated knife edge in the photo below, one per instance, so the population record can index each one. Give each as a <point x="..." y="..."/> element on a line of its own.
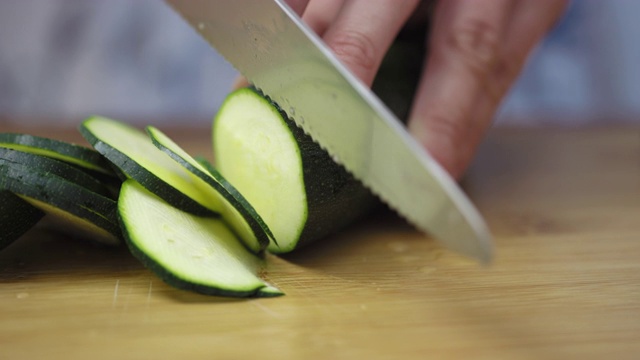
<point x="269" y="44"/>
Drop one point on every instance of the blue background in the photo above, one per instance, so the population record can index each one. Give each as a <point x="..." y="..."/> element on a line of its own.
<point x="138" y="61"/>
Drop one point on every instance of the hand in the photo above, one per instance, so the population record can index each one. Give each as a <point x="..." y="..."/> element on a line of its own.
<point x="477" y="48"/>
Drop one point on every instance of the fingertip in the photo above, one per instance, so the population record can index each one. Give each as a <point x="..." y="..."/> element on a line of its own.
<point x="240" y="82"/>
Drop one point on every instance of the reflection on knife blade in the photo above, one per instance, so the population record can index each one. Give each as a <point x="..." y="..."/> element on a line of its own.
<point x="268" y="43"/>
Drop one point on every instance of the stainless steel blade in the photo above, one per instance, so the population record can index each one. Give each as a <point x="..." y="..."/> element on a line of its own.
<point x="270" y="45"/>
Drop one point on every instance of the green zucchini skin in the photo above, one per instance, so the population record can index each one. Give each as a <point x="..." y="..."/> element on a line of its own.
<point x="165" y="239"/>
<point x="334" y="198"/>
<point x="16" y="217"/>
<point x="56" y="195"/>
<point x="52" y="166"/>
<point x="234" y="206"/>
<point x="178" y="282"/>
<point x="78" y="155"/>
<point x="130" y="168"/>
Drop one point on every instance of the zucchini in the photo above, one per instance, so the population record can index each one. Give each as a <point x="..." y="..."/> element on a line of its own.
<point x="233" y="207"/>
<point x="188" y="251"/>
<point x="132" y="152"/>
<point x="55" y="167"/>
<point x="71" y="153"/>
<point x="73" y="206"/>
<point x="16" y="217"/>
<point x="299" y="191"/>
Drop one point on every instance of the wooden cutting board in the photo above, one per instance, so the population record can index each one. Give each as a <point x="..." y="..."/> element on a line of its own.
<point x="564" y="206"/>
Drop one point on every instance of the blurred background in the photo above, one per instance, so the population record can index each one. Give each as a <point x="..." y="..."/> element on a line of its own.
<point x="62" y="60"/>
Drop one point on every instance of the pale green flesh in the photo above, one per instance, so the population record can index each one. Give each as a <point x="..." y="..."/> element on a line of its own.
<point x="256" y="152"/>
<point x="196" y="250"/>
<point x="228" y="211"/>
<point x="136" y="145"/>
<point x="64" y="220"/>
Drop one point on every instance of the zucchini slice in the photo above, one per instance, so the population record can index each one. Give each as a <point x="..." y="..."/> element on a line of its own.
<point x="78" y="155"/>
<point x="16" y="217"/>
<point x="73" y="207"/>
<point x="132" y="151"/>
<point x="55" y="167"/>
<point x="187" y="251"/>
<point x="234" y="208"/>
<point x="299" y="191"/>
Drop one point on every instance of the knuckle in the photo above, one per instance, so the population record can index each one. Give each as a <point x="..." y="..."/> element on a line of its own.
<point x="505" y="73"/>
<point x="356" y="50"/>
<point x="477" y="42"/>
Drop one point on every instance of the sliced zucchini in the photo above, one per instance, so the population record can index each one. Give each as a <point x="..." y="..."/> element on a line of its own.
<point x="132" y="151"/>
<point x="72" y="206"/>
<point x="16" y="217"/>
<point x="71" y="153"/>
<point x="187" y="251"/>
<point x="299" y="191"/>
<point x="234" y="208"/>
<point x="55" y="167"/>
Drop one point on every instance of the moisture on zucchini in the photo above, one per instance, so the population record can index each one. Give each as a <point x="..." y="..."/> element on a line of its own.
<point x="16" y="217"/>
<point x="131" y="151"/>
<point x="299" y="191"/>
<point x="233" y="207"/>
<point x="187" y="251"/>
<point x="74" y="207"/>
<point x="71" y="153"/>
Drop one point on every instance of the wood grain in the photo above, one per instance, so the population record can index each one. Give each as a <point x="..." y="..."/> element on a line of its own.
<point x="563" y="205"/>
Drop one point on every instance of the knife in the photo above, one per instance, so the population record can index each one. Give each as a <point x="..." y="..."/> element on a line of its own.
<point x="271" y="46"/>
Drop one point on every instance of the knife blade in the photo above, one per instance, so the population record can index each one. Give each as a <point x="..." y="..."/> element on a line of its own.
<point x="272" y="47"/>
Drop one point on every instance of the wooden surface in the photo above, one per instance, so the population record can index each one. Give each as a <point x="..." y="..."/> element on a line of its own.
<point x="564" y="206"/>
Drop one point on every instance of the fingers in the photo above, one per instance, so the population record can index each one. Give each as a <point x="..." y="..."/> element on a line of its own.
<point x="320" y="14"/>
<point x="358" y="31"/>
<point x="530" y="21"/>
<point x="363" y="30"/>
<point x="297" y="5"/>
<point x="455" y="98"/>
<point x="477" y="49"/>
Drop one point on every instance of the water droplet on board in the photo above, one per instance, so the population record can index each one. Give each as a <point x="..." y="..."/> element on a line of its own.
<point x="22" y="295"/>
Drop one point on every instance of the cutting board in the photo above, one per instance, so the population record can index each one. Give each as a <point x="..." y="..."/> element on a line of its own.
<point x="564" y="206"/>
